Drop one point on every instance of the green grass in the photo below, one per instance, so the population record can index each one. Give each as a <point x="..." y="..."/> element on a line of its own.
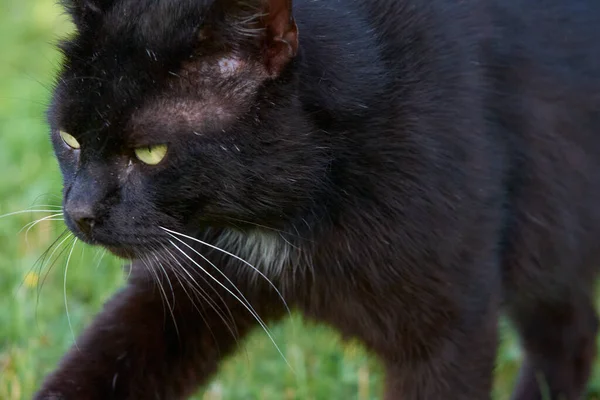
<point x="34" y="329"/>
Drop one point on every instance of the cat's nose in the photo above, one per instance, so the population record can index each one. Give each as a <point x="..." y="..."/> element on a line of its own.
<point x="83" y="216"/>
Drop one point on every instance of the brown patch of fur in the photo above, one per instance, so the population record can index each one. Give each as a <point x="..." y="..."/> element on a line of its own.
<point x="205" y="94"/>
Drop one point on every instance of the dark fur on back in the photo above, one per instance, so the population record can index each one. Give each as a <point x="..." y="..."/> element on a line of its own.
<point x="401" y="170"/>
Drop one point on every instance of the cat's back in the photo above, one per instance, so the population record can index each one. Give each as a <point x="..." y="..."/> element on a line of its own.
<point x="542" y="67"/>
<point x="551" y="39"/>
<point x="536" y="65"/>
<point x="542" y="64"/>
<point x="548" y="49"/>
<point x="525" y="74"/>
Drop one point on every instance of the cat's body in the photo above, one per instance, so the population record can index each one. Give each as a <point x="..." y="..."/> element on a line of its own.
<point x="401" y="170"/>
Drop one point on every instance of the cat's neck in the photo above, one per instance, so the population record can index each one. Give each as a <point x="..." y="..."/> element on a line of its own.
<point x="332" y="77"/>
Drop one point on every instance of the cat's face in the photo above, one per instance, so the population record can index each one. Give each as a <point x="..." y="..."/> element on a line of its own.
<point x="184" y="115"/>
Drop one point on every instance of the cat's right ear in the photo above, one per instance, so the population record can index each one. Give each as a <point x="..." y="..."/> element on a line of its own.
<point x="265" y="28"/>
<point x="86" y="12"/>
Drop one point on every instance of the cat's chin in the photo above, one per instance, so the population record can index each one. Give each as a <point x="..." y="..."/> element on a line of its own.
<point x="121" y="252"/>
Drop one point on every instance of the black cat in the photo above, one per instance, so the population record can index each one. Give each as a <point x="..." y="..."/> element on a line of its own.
<point x="401" y="170"/>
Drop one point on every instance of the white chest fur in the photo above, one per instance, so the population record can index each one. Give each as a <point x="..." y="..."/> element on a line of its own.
<point x="266" y="251"/>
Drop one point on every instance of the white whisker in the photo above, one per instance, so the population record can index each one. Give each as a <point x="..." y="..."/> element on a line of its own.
<point x="42" y="263"/>
<point x="30" y="225"/>
<point x="168" y="281"/>
<point x="287" y="241"/>
<point x="213" y="265"/>
<point x="65" y="292"/>
<point x="43" y="266"/>
<point x="247" y="306"/>
<point x="25" y="212"/>
<point x="237" y="258"/>
<point x="196" y="293"/>
<point x="82" y="252"/>
<point x="164" y="293"/>
<point x="268" y="228"/>
<point x="130" y="271"/>
<point x="42" y="258"/>
<point x="102" y="254"/>
<point x="150" y="268"/>
<point x="205" y="295"/>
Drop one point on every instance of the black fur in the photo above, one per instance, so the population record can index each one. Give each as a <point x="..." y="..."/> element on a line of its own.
<point x="416" y="167"/>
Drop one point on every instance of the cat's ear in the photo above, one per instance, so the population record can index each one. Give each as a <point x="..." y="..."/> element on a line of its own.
<point x="265" y="26"/>
<point x="86" y="12"/>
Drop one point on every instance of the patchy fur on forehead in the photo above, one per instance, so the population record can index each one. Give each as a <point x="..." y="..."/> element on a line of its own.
<point x="168" y="116"/>
<point x="206" y="95"/>
<point x="226" y="72"/>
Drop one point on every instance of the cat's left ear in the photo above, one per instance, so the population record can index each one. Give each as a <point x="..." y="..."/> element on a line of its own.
<point x="268" y="26"/>
<point x="86" y="13"/>
<point x="281" y="34"/>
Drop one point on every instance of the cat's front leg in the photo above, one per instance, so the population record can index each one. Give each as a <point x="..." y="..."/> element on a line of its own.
<point x="458" y="366"/>
<point x="146" y="346"/>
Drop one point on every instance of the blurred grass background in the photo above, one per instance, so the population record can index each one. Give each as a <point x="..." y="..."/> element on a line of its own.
<point x="34" y="329"/>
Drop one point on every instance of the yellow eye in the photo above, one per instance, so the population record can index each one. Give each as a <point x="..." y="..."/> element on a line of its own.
<point x="69" y="140"/>
<point x="151" y="155"/>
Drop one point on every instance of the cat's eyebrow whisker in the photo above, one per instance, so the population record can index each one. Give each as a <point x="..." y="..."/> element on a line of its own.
<point x="37" y="102"/>
<point x="234" y="256"/>
<point x="89" y="78"/>
<point x="65" y="291"/>
<point x="243" y="303"/>
<point x="36" y="80"/>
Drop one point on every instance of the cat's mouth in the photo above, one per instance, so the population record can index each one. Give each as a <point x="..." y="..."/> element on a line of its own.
<point x="121" y="252"/>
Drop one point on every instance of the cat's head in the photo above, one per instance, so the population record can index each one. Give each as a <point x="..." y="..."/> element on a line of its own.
<point x="181" y="114"/>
